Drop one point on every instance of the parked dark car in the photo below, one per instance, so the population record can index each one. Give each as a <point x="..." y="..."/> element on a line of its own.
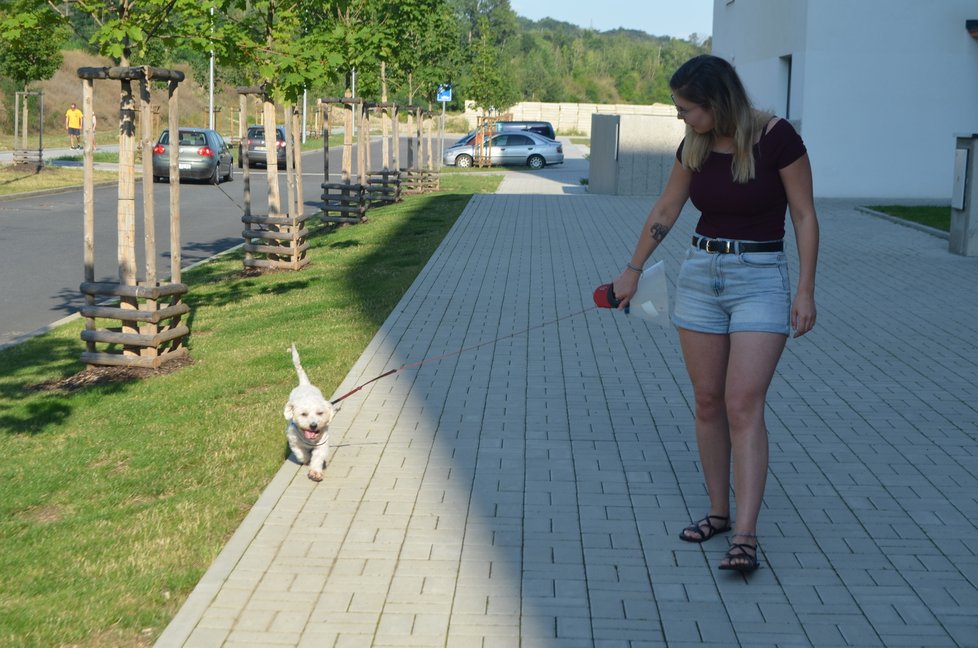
<point x="519" y="148"/>
<point x="255" y="146"/>
<point x="203" y="155"/>
<point x="539" y="127"/>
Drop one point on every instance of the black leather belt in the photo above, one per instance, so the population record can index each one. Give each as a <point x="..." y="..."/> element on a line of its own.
<point x="724" y="246"/>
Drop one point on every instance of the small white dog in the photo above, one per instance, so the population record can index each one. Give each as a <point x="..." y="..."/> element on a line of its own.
<point x="308" y="414"/>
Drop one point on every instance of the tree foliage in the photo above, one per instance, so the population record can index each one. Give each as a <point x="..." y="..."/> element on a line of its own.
<point x="481" y="47"/>
<point x="31" y="38"/>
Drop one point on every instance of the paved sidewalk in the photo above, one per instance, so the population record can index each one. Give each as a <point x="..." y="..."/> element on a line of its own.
<point x="530" y="492"/>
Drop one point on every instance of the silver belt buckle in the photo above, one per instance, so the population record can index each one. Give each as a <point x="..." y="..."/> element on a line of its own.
<point x="723" y="247"/>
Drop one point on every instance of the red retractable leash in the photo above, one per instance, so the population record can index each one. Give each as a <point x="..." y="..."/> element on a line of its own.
<point x="474" y="347"/>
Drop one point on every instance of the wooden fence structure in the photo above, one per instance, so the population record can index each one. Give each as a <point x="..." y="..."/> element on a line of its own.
<point x="145" y="327"/>
<point x="420" y="175"/>
<point x="25" y="155"/>
<point x="384" y="183"/>
<point x="275" y="240"/>
<point x="346" y="201"/>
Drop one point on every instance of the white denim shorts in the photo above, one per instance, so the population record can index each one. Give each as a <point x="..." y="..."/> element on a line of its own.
<point x="730" y="293"/>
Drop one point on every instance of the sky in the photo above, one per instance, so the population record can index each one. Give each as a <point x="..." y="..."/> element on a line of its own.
<point x="677" y="18"/>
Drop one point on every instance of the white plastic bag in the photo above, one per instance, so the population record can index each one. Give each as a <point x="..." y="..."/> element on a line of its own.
<point x="651" y="299"/>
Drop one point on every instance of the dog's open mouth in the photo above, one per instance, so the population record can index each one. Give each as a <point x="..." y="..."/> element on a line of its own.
<point x="311" y="434"/>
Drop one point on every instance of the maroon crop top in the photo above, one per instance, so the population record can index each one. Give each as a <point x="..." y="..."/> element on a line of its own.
<point x="753" y="211"/>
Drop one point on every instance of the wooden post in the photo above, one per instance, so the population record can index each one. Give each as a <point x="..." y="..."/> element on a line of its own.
<point x="149" y="213"/>
<point x="347" y="140"/>
<point x="271" y="159"/>
<point x="410" y="139"/>
<point x="174" y="127"/>
<point x="395" y="135"/>
<point x="385" y="145"/>
<point x="418" y="136"/>
<point x="298" y="161"/>
<point x="324" y="108"/>
<point x="243" y="152"/>
<point x="126" y="212"/>
<point x="431" y="156"/>
<point x="88" y="199"/>
<point x="362" y="142"/>
<point x="149" y="206"/>
<point x="23" y="137"/>
<point x="289" y="160"/>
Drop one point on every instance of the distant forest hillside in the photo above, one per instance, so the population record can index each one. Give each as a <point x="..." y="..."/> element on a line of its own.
<point x="545" y="60"/>
<point x="558" y="61"/>
<point x="484" y="50"/>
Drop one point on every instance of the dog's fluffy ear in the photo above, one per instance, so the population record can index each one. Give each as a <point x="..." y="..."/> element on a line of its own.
<point x="289" y="411"/>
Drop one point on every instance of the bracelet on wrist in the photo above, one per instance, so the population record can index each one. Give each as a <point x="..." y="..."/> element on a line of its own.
<point x="635" y="268"/>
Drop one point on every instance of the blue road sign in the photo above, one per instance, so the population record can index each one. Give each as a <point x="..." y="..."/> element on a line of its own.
<point x="444" y="93"/>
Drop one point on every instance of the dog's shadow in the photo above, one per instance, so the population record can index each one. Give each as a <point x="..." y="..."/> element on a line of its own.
<point x="287" y="454"/>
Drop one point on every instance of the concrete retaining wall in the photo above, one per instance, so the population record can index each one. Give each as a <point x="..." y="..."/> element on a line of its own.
<point x="569" y="118"/>
<point x="632" y="155"/>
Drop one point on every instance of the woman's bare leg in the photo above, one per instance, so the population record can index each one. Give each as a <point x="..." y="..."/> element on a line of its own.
<point x="752" y="360"/>
<point x="706" y="361"/>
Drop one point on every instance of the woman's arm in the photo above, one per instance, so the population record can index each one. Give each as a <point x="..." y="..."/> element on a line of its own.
<point x="797" y="180"/>
<point x="661" y="218"/>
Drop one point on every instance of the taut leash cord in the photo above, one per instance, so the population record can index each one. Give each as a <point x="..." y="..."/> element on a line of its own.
<point x="444" y="356"/>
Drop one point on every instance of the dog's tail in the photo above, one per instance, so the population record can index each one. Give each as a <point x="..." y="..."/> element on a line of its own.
<point x="303" y="378"/>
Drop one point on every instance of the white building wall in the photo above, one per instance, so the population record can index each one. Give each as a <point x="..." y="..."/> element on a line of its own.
<point x="879" y="88"/>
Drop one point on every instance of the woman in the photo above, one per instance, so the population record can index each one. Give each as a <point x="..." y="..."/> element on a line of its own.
<point x="742" y="168"/>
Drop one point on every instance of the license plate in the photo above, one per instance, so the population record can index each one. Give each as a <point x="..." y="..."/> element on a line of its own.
<point x="259" y="148"/>
<point x="184" y="167"/>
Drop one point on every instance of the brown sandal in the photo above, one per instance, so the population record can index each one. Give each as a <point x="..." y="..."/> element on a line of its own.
<point x="704" y="529"/>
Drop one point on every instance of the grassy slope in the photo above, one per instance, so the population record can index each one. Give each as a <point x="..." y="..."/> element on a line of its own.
<point x="115" y="499"/>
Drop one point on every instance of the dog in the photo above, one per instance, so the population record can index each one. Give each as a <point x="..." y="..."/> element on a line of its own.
<point x="309" y="415"/>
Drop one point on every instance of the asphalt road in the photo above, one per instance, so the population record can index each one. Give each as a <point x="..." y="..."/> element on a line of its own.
<point x="41" y="238"/>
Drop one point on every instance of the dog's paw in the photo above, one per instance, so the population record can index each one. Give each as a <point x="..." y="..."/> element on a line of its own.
<point x="316" y="475"/>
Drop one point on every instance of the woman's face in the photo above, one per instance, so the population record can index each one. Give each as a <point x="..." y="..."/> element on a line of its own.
<point x="697" y="117"/>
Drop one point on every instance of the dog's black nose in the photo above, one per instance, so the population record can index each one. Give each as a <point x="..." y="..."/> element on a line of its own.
<point x="313" y="425"/>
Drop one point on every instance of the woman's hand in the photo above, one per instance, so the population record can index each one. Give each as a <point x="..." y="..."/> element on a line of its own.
<point x="625" y="286"/>
<point x="803" y="313"/>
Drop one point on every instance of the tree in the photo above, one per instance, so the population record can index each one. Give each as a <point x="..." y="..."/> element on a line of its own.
<point x="489" y="40"/>
<point x="422" y="50"/>
<point x="31" y="37"/>
<point x="487" y="87"/>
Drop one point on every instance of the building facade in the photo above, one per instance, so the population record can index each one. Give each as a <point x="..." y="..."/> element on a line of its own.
<point x="877" y="88"/>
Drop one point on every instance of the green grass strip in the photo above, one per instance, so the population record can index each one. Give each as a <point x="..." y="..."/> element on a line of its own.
<point x="115" y="498"/>
<point x="938" y="217"/>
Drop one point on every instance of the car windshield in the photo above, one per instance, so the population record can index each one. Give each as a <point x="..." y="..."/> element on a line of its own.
<point x="258" y="133"/>
<point x="187" y="138"/>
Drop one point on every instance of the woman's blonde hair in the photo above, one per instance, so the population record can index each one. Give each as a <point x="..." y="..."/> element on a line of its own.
<point x="712" y="83"/>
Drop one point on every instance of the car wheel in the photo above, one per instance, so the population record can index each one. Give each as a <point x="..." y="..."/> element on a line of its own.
<point x="464" y="161"/>
<point x="216" y="175"/>
<point x="230" y="176"/>
<point x="536" y="162"/>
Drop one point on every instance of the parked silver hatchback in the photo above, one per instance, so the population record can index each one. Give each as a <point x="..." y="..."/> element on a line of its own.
<point x="204" y="155"/>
